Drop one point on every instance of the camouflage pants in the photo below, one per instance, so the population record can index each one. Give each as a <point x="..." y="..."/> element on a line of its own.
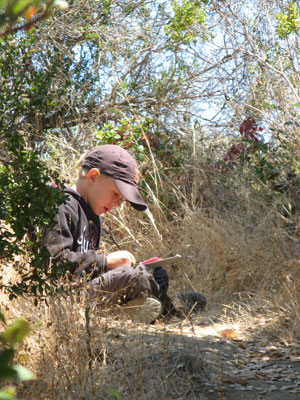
<point x="130" y="282"/>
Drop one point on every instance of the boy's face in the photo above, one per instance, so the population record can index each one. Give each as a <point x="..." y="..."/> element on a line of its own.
<point x="102" y="193"/>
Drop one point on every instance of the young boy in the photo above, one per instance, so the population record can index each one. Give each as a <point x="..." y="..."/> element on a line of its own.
<point x="108" y="175"/>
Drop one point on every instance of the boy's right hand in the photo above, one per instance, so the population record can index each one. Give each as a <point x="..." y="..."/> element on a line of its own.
<point x="119" y="259"/>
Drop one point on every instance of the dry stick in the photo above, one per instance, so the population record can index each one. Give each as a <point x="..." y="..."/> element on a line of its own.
<point x="156" y="171"/>
<point x="198" y="346"/>
<point x="188" y="317"/>
<point x="121" y="222"/>
<point x="190" y="282"/>
<point x="259" y="58"/>
<point x="88" y="343"/>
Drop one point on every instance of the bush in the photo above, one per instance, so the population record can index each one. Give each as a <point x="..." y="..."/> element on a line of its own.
<point x="11" y="338"/>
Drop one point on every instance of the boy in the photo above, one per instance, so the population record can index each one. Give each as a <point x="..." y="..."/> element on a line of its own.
<point x="108" y="175"/>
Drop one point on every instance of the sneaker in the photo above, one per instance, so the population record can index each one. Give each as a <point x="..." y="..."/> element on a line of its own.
<point x="144" y="310"/>
<point x="190" y="302"/>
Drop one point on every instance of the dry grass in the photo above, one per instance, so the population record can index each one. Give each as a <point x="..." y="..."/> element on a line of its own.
<point x="105" y="356"/>
<point x="244" y="259"/>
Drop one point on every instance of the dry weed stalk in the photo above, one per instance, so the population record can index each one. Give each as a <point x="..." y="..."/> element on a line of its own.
<point x="127" y="360"/>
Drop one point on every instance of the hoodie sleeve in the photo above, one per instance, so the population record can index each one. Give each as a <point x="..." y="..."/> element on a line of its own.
<point x="60" y="243"/>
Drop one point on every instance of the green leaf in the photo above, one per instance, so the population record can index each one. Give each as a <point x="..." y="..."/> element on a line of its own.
<point x="23" y="373"/>
<point x="7" y="396"/>
<point x="16" y="332"/>
<point x="7" y="373"/>
<point x="6" y="357"/>
<point x="114" y="393"/>
<point x="3" y="4"/>
<point x="20" y="6"/>
<point x="2" y="318"/>
<point x="3" y="19"/>
<point x="8" y="393"/>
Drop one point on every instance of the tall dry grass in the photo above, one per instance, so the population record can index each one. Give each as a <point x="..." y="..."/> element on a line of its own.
<point x="241" y="252"/>
<point x="77" y="350"/>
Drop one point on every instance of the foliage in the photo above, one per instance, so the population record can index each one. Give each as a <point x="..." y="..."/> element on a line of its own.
<point x="28" y="203"/>
<point x="266" y="171"/>
<point x="130" y="135"/>
<point x="12" y="10"/>
<point x="290" y="22"/>
<point x="206" y="96"/>
<point x="155" y="77"/>
<point x="27" y="200"/>
<point x="11" y="338"/>
<point x="182" y="27"/>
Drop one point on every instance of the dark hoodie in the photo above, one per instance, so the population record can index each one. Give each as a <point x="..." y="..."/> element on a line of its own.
<point x="76" y="237"/>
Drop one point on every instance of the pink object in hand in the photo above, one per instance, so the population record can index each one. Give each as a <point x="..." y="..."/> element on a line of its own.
<point x="150" y="260"/>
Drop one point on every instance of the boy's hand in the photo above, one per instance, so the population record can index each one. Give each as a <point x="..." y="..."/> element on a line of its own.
<point x="119" y="259"/>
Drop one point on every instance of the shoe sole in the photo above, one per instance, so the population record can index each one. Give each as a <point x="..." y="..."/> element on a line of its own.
<point x="144" y="310"/>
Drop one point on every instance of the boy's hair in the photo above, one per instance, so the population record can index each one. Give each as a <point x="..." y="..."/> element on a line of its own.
<point x="84" y="171"/>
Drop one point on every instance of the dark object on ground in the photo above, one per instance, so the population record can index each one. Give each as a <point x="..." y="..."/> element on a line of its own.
<point x="190" y="301"/>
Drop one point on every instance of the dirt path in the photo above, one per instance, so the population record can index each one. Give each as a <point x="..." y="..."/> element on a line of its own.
<point x="238" y="369"/>
<point x="249" y="370"/>
<point x="199" y="359"/>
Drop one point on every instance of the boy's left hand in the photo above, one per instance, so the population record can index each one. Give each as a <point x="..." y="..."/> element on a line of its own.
<point x="119" y="259"/>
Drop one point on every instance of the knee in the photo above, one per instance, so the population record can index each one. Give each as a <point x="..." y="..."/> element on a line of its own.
<point x="141" y="275"/>
<point x="162" y="278"/>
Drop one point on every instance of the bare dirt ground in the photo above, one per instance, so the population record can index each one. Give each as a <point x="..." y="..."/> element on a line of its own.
<point x="202" y="357"/>
<point x="217" y="361"/>
<point x="236" y="367"/>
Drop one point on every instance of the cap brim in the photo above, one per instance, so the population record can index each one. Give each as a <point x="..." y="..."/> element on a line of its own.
<point x="131" y="194"/>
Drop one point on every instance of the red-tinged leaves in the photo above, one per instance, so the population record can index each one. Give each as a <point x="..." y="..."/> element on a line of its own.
<point x="249" y="128"/>
<point x="30" y="13"/>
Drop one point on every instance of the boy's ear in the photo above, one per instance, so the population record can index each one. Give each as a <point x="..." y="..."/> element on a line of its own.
<point x="93" y="174"/>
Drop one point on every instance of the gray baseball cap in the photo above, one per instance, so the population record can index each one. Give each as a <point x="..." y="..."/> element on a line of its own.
<point x="116" y="162"/>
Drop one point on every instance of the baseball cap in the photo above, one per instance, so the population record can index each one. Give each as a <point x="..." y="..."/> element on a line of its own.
<point x="116" y="162"/>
